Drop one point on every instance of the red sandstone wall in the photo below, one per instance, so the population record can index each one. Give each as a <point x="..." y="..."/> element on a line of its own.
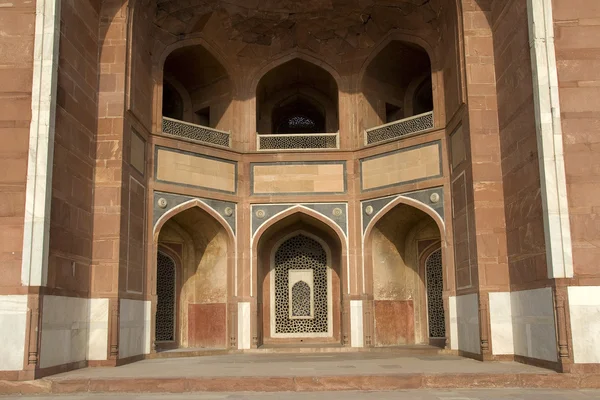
<point x="577" y="34"/>
<point x="394" y="323"/>
<point x="518" y="145"/>
<point x="142" y="83"/>
<point x="16" y="65"/>
<point x="74" y="151"/>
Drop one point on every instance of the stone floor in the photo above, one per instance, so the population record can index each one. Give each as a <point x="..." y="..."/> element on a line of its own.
<point x="473" y="394"/>
<point x="312" y="372"/>
<point x="297" y="365"/>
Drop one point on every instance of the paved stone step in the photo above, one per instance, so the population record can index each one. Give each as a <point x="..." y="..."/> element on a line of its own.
<point x="303" y="384"/>
<point x="400" y="351"/>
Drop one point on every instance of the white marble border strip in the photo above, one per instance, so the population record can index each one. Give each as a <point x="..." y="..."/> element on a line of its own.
<point x="549" y="137"/>
<point x="41" y="144"/>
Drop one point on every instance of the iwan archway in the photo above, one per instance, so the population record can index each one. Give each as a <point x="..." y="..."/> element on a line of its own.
<point x="192" y="279"/>
<point x="299" y="299"/>
<point x="405" y="275"/>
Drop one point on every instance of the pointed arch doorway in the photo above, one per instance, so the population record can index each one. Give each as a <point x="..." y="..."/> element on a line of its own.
<point x="299" y="300"/>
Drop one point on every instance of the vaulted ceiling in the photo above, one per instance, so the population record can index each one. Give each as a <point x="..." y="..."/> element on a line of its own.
<point x="348" y="24"/>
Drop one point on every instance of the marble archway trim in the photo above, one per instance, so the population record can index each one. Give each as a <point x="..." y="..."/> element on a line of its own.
<point x="336" y="212"/>
<point x="165" y="202"/>
<point x="432" y="198"/>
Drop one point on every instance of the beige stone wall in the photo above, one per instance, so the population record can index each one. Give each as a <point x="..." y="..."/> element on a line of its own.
<point x="299" y="178"/>
<point x="195" y="170"/>
<point x="407" y="165"/>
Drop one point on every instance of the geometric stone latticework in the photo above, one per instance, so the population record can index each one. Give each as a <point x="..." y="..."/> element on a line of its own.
<point x="301" y="253"/>
<point x="435" y="299"/>
<point x="298" y="142"/>
<point x="195" y="132"/>
<point x="301" y="296"/>
<point x="165" y="292"/>
<point x="400" y="128"/>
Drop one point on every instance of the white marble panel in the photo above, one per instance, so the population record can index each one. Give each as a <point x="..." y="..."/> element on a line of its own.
<point x="134" y="328"/>
<point x="534" y="330"/>
<point x="64" y="336"/>
<point x="356" y="323"/>
<point x="98" y="330"/>
<point x="36" y="237"/>
<point x="147" y="327"/>
<point x="306" y="276"/>
<point x="584" y="307"/>
<point x="501" y="324"/>
<point x="244" y="328"/>
<point x="453" y="323"/>
<point x="467" y="323"/>
<point x="13" y="314"/>
<point x="557" y="231"/>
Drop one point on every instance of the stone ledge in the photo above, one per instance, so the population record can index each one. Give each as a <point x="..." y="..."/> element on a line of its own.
<point x="304" y="384"/>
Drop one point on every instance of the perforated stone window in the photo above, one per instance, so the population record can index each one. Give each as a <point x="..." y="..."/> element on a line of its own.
<point x="301" y="300"/>
<point x="435" y="301"/>
<point x="165" y="292"/>
<point x="301" y="289"/>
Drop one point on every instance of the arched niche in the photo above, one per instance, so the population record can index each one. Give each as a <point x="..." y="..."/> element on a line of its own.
<point x="203" y="248"/>
<point x="203" y="79"/>
<point x="396" y="83"/>
<point x="322" y="239"/>
<point x="396" y="276"/>
<point x="299" y="95"/>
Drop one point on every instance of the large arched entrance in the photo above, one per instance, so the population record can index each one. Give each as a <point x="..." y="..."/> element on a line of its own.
<point x="405" y="273"/>
<point x="299" y="283"/>
<point x="192" y="282"/>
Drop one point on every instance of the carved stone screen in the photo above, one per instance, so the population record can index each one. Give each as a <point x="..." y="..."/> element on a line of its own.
<point x="301" y="289"/>
<point x="435" y="302"/>
<point x="301" y="300"/>
<point x="165" y="292"/>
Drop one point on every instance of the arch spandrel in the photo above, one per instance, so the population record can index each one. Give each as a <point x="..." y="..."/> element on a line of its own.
<point x="373" y="210"/>
<point x="224" y="211"/>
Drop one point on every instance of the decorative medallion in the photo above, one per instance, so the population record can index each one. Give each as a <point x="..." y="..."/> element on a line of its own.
<point x="260" y="214"/>
<point x="162" y="203"/>
<point x="369" y="210"/>
<point x="337" y="212"/>
<point x="228" y="211"/>
<point x="435" y="198"/>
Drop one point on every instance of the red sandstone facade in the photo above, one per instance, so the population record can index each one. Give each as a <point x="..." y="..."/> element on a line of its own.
<point x="97" y="186"/>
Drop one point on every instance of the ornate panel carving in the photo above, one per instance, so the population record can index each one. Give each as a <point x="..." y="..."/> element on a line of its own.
<point x="165" y="291"/>
<point x="435" y="300"/>
<point x="302" y="309"/>
<point x="398" y="129"/>
<point x="195" y="132"/>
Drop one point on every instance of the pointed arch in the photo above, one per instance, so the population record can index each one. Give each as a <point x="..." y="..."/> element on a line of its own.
<point x="212" y="49"/>
<point x="367" y="262"/>
<point x="186" y="206"/>
<point x="298" y="210"/>
<point x="232" y="259"/>
<point x="290" y="55"/>
<point x="398" y="36"/>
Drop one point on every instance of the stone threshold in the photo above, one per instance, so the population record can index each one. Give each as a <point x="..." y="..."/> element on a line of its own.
<point x="308" y="349"/>
<point x="304" y="384"/>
